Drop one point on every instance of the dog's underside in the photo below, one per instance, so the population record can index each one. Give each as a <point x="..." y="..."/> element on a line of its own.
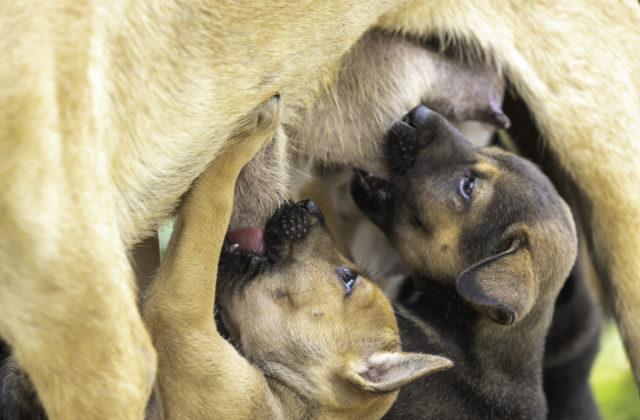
<point x="461" y="91"/>
<point x="110" y="111"/>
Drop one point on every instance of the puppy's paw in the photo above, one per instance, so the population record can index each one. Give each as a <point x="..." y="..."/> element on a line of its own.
<point x="269" y="114"/>
<point x="254" y="132"/>
<point x="265" y="120"/>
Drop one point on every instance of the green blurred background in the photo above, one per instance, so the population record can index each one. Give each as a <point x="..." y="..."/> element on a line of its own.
<point x="613" y="385"/>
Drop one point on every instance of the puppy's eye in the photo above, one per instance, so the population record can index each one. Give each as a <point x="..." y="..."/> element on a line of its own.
<point x="465" y="188"/>
<point x="348" y="278"/>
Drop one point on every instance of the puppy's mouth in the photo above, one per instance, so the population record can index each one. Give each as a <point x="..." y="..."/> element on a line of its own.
<point x="403" y="141"/>
<point x="250" y="239"/>
<point x="249" y="252"/>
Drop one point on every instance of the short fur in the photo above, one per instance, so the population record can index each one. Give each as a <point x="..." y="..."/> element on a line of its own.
<point x="309" y="343"/>
<point x="110" y="110"/>
<point x="573" y="339"/>
<point x="570" y="351"/>
<point x="490" y="243"/>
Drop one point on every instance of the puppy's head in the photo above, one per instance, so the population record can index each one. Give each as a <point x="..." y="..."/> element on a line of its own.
<point x="487" y="221"/>
<point x="309" y="319"/>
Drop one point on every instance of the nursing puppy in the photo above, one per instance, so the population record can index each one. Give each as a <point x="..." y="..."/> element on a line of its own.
<point x="110" y="110"/>
<point x="311" y="337"/>
<point x="490" y="243"/>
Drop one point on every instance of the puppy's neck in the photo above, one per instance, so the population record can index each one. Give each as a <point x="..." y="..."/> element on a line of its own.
<point x="439" y="306"/>
<point x="293" y="404"/>
<point x="436" y="319"/>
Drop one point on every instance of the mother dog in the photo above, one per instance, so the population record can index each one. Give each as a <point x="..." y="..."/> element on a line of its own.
<point x="111" y="109"/>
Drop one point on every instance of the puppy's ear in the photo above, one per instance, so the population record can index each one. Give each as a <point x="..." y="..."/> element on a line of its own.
<point x="501" y="287"/>
<point x="390" y="371"/>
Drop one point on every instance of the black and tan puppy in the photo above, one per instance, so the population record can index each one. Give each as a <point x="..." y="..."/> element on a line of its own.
<point x="490" y="243"/>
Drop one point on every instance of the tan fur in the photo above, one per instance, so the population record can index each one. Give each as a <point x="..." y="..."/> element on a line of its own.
<point x="307" y="326"/>
<point x="179" y="305"/>
<point x="312" y="187"/>
<point x="111" y="109"/>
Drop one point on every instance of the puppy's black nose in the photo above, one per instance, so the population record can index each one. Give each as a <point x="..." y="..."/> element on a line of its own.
<point x="417" y="117"/>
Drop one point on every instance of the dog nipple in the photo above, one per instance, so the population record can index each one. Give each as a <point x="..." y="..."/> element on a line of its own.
<point x="251" y="238"/>
<point x="497" y="116"/>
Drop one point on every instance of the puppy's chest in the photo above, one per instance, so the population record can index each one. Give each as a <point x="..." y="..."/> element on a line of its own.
<point x="436" y="320"/>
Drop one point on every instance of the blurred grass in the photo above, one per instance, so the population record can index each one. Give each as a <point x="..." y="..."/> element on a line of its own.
<point x="612" y="382"/>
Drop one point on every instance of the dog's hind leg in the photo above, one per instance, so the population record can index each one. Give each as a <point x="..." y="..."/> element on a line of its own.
<point x="67" y="301"/>
<point x="200" y="375"/>
<point x="70" y="315"/>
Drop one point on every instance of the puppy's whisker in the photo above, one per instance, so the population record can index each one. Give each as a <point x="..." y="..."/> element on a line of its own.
<point x="400" y="314"/>
<point x="371" y="271"/>
<point x="305" y="174"/>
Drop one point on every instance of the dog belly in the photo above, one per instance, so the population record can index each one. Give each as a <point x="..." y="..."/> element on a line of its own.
<point x="151" y="186"/>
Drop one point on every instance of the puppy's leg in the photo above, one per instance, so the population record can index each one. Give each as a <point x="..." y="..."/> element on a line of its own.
<point x="200" y="375"/>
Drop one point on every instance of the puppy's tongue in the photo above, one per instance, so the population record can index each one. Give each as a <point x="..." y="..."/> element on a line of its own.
<point x="251" y="238"/>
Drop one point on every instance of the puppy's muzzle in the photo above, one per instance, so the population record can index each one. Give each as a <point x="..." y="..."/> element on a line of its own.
<point x="419" y="129"/>
<point x="403" y="142"/>
<point x="290" y="224"/>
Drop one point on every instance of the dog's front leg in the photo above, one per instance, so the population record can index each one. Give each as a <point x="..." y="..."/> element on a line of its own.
<point x="200" y="375"/>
